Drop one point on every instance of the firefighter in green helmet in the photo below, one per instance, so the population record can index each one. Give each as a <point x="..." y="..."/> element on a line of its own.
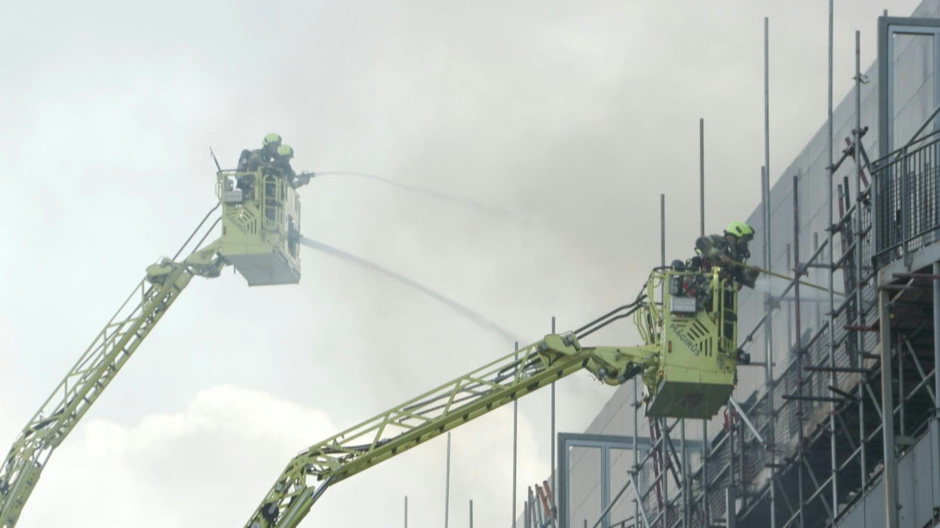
<point x="728" y="251"/>
<point x="281" y="164"/>
<point x="252" y="160"/>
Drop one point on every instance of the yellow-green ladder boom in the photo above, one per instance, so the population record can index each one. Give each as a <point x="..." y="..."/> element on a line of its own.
<point x="688" y="364"/>
<point x="260" y="227"/>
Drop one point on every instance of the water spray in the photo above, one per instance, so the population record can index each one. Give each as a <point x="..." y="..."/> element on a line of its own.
<point x="784" y="277"/>
<point x="477" y="318"/>
<point x="466" y="202"/>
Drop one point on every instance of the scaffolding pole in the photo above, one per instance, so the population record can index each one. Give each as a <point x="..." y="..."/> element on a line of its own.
<point x="515" y="445"/>
<point x="701" y="174"/>
<point x="936" y="341"/>
<point x="884" y="307"/>
<point x="797" y="272"/>
<point x="701" y="165"/>
<point x="635" y="470"/>
<point x="447" y="487"/>
<point x="768" y="339"/>
<point x="833" y="379"/>
<point x="662" y="230"/>
<point x="768" y="263"/>
<point x="767" y="95"/>
<point x="552" y="452"/>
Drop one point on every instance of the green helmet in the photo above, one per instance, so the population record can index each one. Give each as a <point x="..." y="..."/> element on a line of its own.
<point x="740" y="230"/>
<point x="284" y="151"/>
<point x="271" y="138"/>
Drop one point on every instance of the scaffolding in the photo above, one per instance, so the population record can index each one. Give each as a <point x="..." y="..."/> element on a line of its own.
<point x="859" y="392"/>
<point x="816" y="436"/>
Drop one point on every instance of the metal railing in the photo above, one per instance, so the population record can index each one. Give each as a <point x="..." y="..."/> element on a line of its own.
<point x="906" y="197"/>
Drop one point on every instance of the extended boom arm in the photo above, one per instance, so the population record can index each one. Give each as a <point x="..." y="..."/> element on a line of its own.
<point x="435" y="412"/>
<point x="260" y="224"/>
<point x="687" y="321"/>
<point x="95" y="369"/>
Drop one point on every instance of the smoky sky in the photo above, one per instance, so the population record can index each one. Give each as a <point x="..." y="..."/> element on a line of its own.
<point x="571" y="118"/>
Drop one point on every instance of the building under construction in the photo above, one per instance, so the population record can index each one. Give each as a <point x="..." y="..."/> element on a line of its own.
<point x="808" y="401"/>
<point x="835" y="422"/>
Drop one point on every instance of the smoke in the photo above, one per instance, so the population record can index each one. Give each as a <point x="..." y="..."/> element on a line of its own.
<point x="466" y="202"/>
<point x="472" y="315"/>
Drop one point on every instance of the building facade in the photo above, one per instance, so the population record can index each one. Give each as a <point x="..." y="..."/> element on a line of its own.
<point x="816" y="436"/>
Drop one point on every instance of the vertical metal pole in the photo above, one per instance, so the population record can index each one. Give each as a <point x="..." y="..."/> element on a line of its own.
<point x="447" y="487"/>
<point x="662" y="229"/>
<point x="858" y="190"/>
<point x="887" y="390"/>
<point x="684" y="454"/>
<point x="862" y="451"/>
<point x="683" y="480"/>
<point x="701" y="173"/>
<point x="903" y="414"/>
<point x="552" y="452"/>
<point x="767" y="95"/>
<point x="515" y="444"/>
<point x="730" y="500"/>
<point x="799" y="342"/>
<point x="605" y="486"/>
<point x="636" y="461"/>
<point x="662" y="262"/>
<point x="701" y="168"/>
<point x="936" y="341"/>
<point x="662" y="422"/>
<point x="887" y="406"/>
<point x="769" y="344"/>
<point x="732" y="475"/>
<point x="789" y="304"/>
<point x="686" y="493"/>
<point x="406" y="511"/>
<point x="705" y="484"/>
<point x="664" y="457"/>
<point x="818" y="310"/>
<point x="833" y="381"/>
<point x="859" y="316"/>
<point x="471" y="513"/>
<point x="768" y="332"/>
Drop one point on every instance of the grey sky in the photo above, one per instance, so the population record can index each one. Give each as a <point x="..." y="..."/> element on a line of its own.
<point x="574" y="115"/>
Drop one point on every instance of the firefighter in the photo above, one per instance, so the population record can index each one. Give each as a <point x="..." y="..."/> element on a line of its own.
<point x="281" y="164"/>
<point x="729" y="251"/>
<point x="252" y="160"/>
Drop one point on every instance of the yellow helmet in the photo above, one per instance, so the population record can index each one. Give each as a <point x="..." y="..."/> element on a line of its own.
<point x="740" y="230"/>
<point x="271" y="138"/>
<point x="284" y="151"/>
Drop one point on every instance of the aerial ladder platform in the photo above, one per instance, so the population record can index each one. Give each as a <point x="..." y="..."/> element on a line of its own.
<point x="260" y="233"/>
<point x="688" y="363"/>
<point x="686" y="319"/>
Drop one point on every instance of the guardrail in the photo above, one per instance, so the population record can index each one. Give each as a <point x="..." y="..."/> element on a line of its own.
<point x="906" y="195"/>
